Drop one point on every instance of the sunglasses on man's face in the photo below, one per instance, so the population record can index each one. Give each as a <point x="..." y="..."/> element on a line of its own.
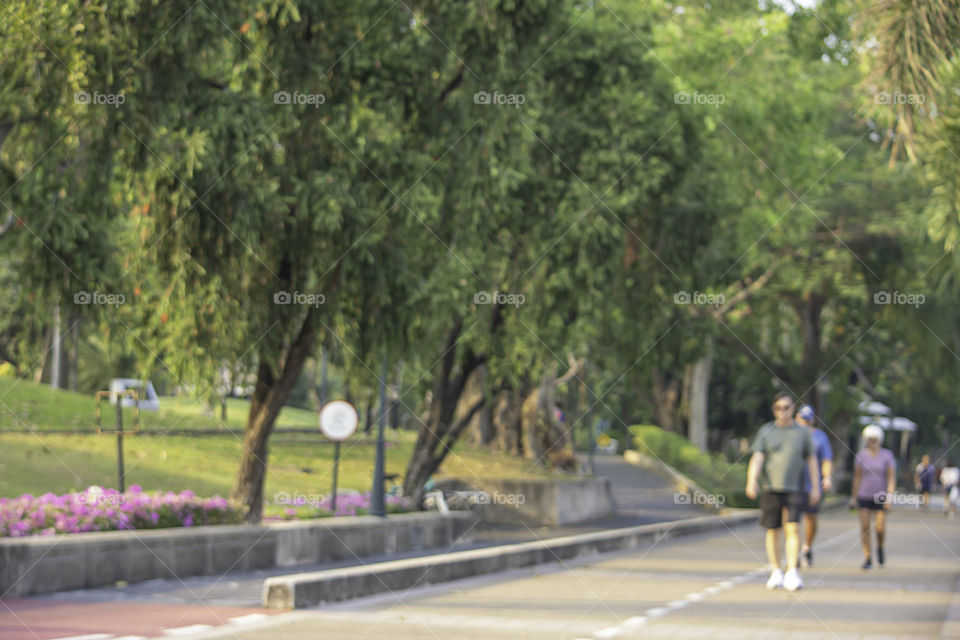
<point x="782" y="407"/>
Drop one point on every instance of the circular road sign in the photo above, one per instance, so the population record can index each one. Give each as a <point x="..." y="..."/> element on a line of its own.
<point x="338" y="420"/>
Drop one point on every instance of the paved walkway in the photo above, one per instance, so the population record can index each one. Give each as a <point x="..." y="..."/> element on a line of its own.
<point x="197" y="604"/>
<point x="706" y="586"/>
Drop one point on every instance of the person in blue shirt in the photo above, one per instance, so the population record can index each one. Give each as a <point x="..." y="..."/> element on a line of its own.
<point x="923" y="479"/>
<point x="821" y="443"/>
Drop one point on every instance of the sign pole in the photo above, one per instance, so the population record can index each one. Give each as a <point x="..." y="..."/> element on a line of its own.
<point x="338" y="421"/>
<point x="120" y="471"/>
<point x="336" y="465"/>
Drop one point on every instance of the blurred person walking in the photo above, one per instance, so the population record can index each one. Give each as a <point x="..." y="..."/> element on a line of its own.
<point x="824" y="453"/>
<point x="874" y="481"/>
<point x="781" y="450"/>
<point x="950" y="481"/>
<point x="923" y="479"/>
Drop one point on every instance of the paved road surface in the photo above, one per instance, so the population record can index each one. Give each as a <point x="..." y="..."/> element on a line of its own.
<point x="707" y="586"/>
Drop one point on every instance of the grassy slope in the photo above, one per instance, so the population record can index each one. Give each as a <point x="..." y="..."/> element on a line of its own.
<point x="26" y="405"/>
<point x="711" y="471"/>
<point x="47" y="461"/>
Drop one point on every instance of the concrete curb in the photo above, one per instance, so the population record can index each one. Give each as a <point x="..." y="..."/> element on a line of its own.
<point x="46" y="564"/>
<point x="309" y="589"/>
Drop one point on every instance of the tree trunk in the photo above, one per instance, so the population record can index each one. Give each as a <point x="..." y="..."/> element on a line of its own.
<point x="368" y="417"/>
<point x="431" y="450"/>
<point x="507" y="422"/>
<point x="476" y="433"/>
<point x="324" y="380"/>
<point x="56" y="351"/>
<point x="842" y="458"/>
<point x="72" y="373"/>
<point x="44" y="363"/>
<point x="699" y="398"/>
<point x="808" y="313"/>
<point x="443" y="426"/>
<point x="545" y="438"/>
<point x="270" y="394"/>
<point x="312" y="392"/>
<point x="665" y="395"/>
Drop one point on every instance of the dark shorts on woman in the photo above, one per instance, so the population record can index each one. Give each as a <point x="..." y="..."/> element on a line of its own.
<point x="772" y="504"/>
<point x="870" y="503"/>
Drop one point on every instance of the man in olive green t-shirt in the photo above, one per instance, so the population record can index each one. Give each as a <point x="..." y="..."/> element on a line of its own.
<point x="780" y="451"/>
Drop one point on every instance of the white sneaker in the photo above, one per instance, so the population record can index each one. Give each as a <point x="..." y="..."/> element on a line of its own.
<point x="792" y="581"/>
<point x="776" y="579"/>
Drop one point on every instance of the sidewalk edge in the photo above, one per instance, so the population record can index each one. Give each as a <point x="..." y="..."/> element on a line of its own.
<point x="299" y="590"/>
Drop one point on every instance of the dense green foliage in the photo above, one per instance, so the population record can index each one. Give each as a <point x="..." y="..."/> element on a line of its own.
<point x="487" y="192"/>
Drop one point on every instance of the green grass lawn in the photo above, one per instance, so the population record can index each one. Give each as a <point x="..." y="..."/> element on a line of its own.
<point x="206" y="464"/>
<point x="27" y="405"/>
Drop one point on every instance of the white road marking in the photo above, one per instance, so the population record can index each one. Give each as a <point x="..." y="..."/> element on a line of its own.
<point x="183" y="631"/>
<point x="696" y="596"/>
<point x="634" y="622"/>
<point x="249" y="618"/>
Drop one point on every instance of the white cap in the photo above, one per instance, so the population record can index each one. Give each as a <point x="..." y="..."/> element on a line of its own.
<point x="872" y="431"/>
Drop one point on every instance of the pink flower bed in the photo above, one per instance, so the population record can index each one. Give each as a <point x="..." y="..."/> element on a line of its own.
<point x="305" y="507"/>
<point x="100" y="509"/>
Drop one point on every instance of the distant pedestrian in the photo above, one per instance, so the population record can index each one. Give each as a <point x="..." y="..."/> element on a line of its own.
<point x="874" y="482"/>
<point x="781" y="450"/>
<point x="950" y="481"/>
<point x="824" y="453"/>
<point x="923" y="479"/>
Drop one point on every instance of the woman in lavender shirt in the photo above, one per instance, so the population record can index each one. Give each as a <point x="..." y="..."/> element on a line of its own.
<point x="874" y="480"/>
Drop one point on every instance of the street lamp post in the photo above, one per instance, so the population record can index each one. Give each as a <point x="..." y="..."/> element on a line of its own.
<point x="378" y="506"/>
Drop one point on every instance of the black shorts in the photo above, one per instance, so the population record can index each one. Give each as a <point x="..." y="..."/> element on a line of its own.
<point x="772" y="504"/>
<point x="806" y="507"/>
<point x="870" y="503"/>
